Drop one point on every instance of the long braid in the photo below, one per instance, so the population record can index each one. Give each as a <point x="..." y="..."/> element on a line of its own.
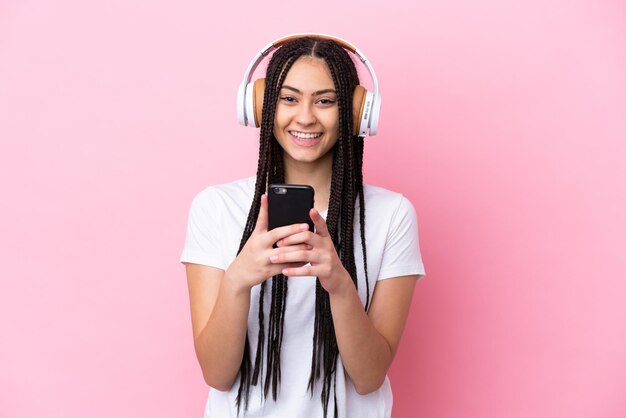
<point x="346" y="188"/>
<point x="358" y="144"/>
<point x="246" y="365"/>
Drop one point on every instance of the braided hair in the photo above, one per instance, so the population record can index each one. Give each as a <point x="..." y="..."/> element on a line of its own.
<point x="346" y="188"/>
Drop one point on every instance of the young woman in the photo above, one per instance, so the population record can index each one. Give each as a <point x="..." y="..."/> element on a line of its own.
<point x="287" y="322"/>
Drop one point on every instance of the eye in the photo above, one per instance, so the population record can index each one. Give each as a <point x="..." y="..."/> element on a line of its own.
<point x="326" y="101"/>
<point x="288" y="99"/>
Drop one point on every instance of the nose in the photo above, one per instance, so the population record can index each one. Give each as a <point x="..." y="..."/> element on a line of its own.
<point x="305" y="115"/>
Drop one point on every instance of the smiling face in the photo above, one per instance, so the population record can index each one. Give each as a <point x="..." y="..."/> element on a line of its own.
<point x="306" y="123"/>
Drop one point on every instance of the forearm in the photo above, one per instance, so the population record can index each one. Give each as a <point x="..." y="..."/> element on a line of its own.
<point x="220" y="345"/>
<point x="365" y="353"/>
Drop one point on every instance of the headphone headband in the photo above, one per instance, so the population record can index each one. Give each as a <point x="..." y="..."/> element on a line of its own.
<point x="371" y="108"/>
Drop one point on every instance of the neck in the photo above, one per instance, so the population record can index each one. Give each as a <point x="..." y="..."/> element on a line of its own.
<point x="317" y="174"/>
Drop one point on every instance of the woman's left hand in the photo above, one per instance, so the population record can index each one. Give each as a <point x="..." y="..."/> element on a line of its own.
<point x="324" y="261"/>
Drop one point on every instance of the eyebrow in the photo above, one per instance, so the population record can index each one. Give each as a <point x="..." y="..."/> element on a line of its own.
<point x="316" y="93"/>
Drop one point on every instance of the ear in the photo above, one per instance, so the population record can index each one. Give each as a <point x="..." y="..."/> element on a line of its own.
<point x="258" y="92"/>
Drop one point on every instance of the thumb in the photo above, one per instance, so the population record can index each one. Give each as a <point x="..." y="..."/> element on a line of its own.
<point x="319" y="222"/>
<point x="261" y="221"/>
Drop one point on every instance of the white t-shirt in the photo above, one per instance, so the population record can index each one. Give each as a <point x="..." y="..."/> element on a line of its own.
<point x="216" y="221"/>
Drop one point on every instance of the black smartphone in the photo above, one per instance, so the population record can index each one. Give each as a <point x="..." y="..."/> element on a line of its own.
<point x="290" y="204"/>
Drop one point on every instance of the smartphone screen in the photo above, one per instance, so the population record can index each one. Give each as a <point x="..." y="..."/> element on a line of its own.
<point x="290" y="204"/>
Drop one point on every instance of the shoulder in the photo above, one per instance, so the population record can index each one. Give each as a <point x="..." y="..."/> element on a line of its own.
<point x="216" y="220"/>
<point x="391" y="226"/>
<point x="380" y="201"/>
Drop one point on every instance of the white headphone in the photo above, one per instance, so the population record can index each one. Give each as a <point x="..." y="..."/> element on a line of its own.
<point x="366" y="105"/>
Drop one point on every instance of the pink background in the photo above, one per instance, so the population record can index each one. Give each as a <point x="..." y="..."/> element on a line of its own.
<point x="503" y="121"/>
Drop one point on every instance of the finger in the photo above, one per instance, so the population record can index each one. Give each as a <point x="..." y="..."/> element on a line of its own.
<point x="302" y="256"/>
<point x="278" y="234"/>
<point x="290" y="248"/>
<point x="319" y="222"/>
<point x="298" y="271"/>
<point x="303" y="237"/>
<point x="261" y="220"/>
<point x="278" y="268"/>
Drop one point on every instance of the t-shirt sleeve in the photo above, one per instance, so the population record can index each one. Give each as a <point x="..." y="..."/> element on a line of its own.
<point x="202" y="245"/>
<point x="402" y="255"/>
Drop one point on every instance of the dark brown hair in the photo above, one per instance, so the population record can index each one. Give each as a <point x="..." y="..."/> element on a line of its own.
<point x="346" y="188"/>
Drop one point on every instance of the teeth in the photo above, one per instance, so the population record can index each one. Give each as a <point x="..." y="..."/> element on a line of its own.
<point x="303" y="135"/>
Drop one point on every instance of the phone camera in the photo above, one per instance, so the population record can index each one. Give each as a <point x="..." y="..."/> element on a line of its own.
<point x="280" y="190"/>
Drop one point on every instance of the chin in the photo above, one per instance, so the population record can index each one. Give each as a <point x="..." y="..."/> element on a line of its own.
<point x="305" y="158"/>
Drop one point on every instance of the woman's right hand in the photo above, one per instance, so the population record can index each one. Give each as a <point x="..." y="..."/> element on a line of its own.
<point x="252" y="265"/>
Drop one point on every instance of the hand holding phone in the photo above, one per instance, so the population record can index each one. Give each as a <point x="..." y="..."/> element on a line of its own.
<point x="291" y="204"/>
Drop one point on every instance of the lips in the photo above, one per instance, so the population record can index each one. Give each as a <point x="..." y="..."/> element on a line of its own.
<point x="305" y="135"/>
<point x="305" y="139"/>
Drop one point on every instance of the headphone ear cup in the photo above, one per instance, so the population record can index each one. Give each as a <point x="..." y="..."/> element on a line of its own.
<point x="241" y="105"/>
<point x="375" y="115"/>
<point x="258" y="91"/>
<point x="358" y="110"/>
